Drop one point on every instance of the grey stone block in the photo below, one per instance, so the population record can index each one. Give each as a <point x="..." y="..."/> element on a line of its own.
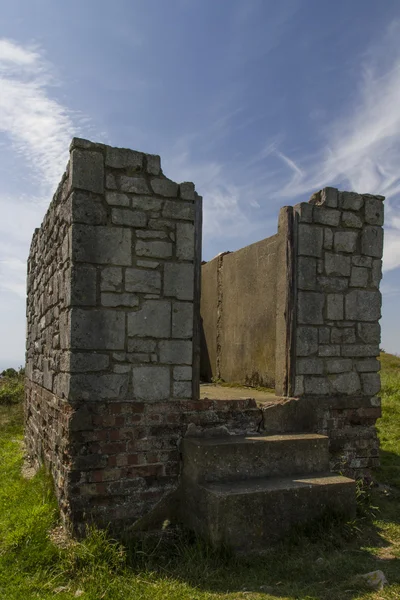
<point x="123" y="158"/>
<point x="310" y="308"/>
<point x="334" y="307"/>
<point x="111" y="181"/>
<point x="370" y="333"/>
<point x="95" y="387"/>
<point x="186" y="190"/>
<point x="307" y="273"/>
<point x="310" y="366"/>
<point x="134" y="185"/>
<point x="117" y="199"/>
<point x="376" y="273"/>
<point x="363" y="305"/>
<point x="307" y="341"/>
<point x="338" y="365"/>
<point x="153" y="319"/>
<point x="148" y="264"/>
<point x="374" y="211"/>
<point x="82" y="290"/>
<point x="185" y="241"/>
<point x="310" y="240"/>
<point x="329" y="350"/>
<point x="147" y="203"/>
<point x="372" y="241"/>
<point x="361" y="261"/>
<point x="164" y="187"/>
<point x="333" y="284"/>
<point x="178" y="210"/>
<point x="139" y="280"/>
<point x="82" y="362"/>
<point x="161" y="224"/>
<point x="111" y="279"/>
<point x="326" y="216"/>
<point x="359" y="277"/>
<point x="316" y="385"/>
<point x="329" y="197"/>
<point x="345" y="241"/>
<point x="350" y="219"/>
<point x="351" y="201"/>
<point x="87" y="208"/>
<point x="345" y="335"/>
<point x="153" y="164"/>
<point x="324" y="335"/>
<point x="304" y="210"/>
<point x="328" y="238"/>
<point x="182" y="373"/>
<point x="140" y="345"/>
<point x="179" y="280"/>
<point x="337" y="264"/>
<point x="114" y="300"/>
<point x="182" y="389"/>
<point x="151" y="383"/>
<point x="367" y="365"/>
<point x="182" y="320"/>
<point x="152" y="234"/>
<point x="178" y="352"/>
<point x="361" y="350"/>
<point x="131" y="218"/>
<point x="371" y="383"/>
<point x="101" y="245"/>
<point x="346" y="383"/>
<point x="299" y="385"/>
<point x="156" y="249"/>
<point x="97" y="329"/>
<point x="87" y="171"/>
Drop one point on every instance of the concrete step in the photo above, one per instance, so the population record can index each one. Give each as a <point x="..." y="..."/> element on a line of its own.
<point x="251" y="515"/>
<point x="234" y="458"/>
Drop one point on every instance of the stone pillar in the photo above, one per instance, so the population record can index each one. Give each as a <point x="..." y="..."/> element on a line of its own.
<point x="111" y="288"/>
<point x="339" y="243"/>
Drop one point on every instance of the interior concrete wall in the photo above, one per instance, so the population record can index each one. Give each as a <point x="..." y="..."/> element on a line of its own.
<point x="238" y="309"/>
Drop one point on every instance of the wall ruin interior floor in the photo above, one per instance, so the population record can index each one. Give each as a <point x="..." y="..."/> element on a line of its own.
<point x="212" y="391"/>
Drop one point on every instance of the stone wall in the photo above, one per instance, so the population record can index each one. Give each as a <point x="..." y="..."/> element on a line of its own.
<point x="111" y="280"/>
<point x="238" y="309"/>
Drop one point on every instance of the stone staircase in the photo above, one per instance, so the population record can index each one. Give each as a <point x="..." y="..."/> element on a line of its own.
<point x="247" y="492"/>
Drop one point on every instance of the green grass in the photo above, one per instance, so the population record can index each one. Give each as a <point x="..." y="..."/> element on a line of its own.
<point x="11" y="389"/>
<point x="319" y="566"/>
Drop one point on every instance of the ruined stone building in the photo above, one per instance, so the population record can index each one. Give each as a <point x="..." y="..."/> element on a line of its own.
<point x="123" y="322"/>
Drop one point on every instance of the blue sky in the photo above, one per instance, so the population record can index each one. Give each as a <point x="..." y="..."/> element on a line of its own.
<point x="259" y="102"/>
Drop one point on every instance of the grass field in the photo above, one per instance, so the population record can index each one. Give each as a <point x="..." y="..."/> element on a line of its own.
<point x="320" y="566"/>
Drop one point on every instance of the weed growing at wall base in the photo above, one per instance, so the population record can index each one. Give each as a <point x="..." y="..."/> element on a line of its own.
<point x="322" y="566"/>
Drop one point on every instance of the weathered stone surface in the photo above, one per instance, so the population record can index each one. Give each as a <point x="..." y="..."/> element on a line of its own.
<point x="316" y="385"/>
<point x="310" y="240"/>
<point x="370" y="350"/>
<point x="153" y="164"/>
<point x="367" y="365"/>
<point x="304" y="211"/>
<point x="111" y="279"/>
<point x="146" y="203"/>
<point x="176" y="352"/>
<point x="87" y="171"/>
<point x="307" y="273"/>
<point x="359" y="277"/>
<point x="324" y="335"/>
<point x="140" y="345"/>
<point x="182" y="320"/>
<point x="329" y="197"/>
<point x="307" y="341"/>
<point x="164" y="187"/>
<point x="111" y="181"/>
<point x="117" y="199"/>
<point x="148" y="264"/>
<point x="363" y="305"/>
<point x="376" y="273"/>
<point x="95" y="387"/>
<point x="186" y="191"/>
<point x="361" y="261"/>
<point x="310" y="308"/>
<point x="140" y="280"/>
<point x="82" y="362"/>
<point x="345" y="241"/>
<point x="346" y="383"/>
<point x="337" y="264"/>
<point x="182" y="389"/>
<point x="338" y="365"/>
<point x="185" y="241"/>
<point x="178" y="210"/>
<point x="310" y="366"/>
<point x="346" y="335"/>
<point x="350" y="201"/>
<point x="334" y="306"/>
<point x="153" y="319"/>
<point x="87" y="208"/>
<point x="350" y="219"/>
<point x="371" y="383"/>
<point x="114" y="300"/>
<point x="130" y="218"/>
<point x="101" y="245"/>
<point x="179" y="281"/>
<point x="151" y="383"/>
<point x="326" y="216"/>
<point x="374" y="211"/>
<point x="82" y="288"/>
<point x="370" y="333"/>
<point x="134" y="185"/>
<point x="333" y="284"/>
<point x="156" y="249"/>
<point x="372" y="241"/>
<point x="329" y="350"/>
<point x="123" y="158"/>
<point x="182" y="373"/>
<point x="97" y="329"/>
<point x="328" y="238"/>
